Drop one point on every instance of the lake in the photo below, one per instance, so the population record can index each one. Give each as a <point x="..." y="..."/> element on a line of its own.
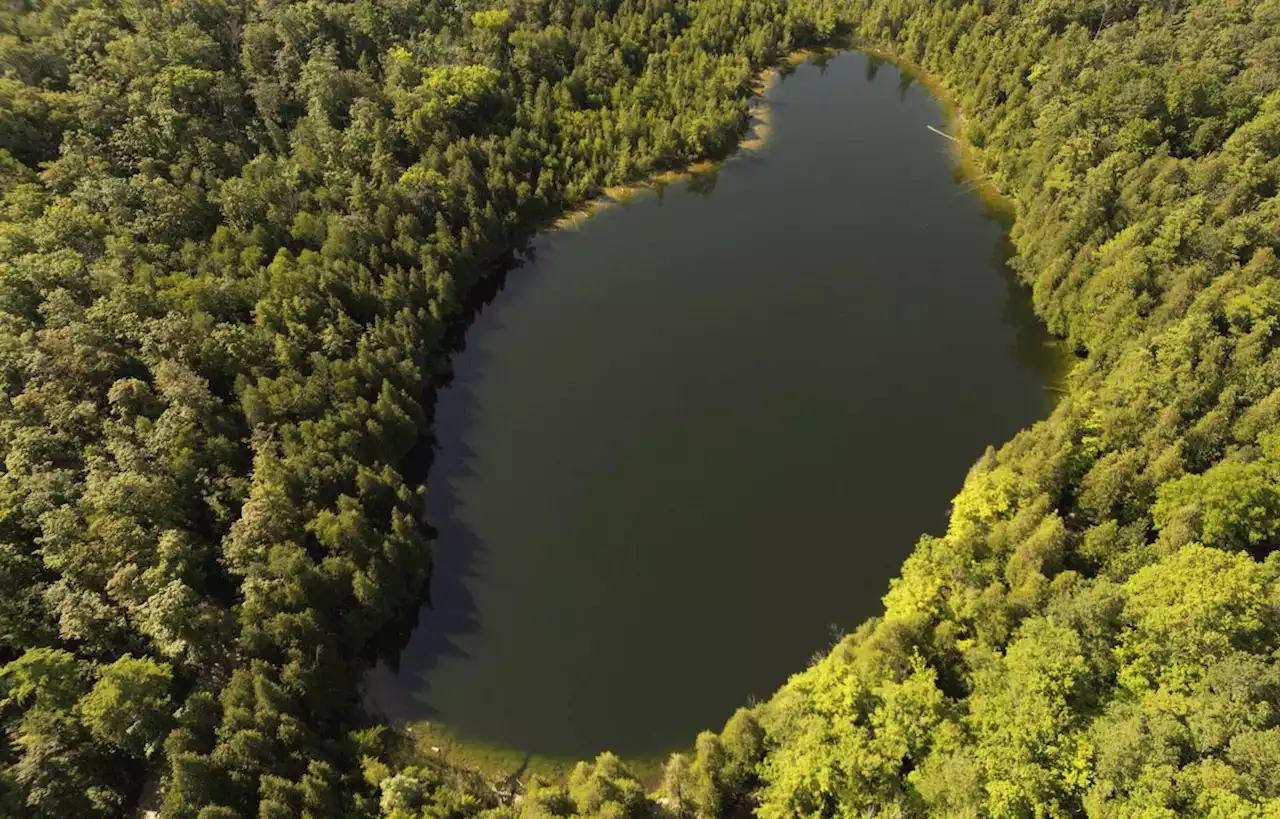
<point x="702" y="431"/>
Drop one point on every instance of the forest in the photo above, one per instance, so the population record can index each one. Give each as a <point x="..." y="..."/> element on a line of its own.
<point x="236" y="240"/>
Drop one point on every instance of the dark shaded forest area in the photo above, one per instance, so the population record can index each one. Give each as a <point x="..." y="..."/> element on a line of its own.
<point x="234" y="238"/>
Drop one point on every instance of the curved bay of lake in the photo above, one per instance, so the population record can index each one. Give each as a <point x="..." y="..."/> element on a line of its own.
<point x="711" y="423"/>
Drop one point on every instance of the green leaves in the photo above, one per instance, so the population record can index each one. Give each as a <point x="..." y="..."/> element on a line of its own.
<point x="129" y="706"/>
<point x="1233" y="505"/>
<point x="838" y="743"/>
<point x="232" y="239"/>
<point x="1191" y="608"/>
<point x="45" y="679"/>
<point x="1101" y="615"/>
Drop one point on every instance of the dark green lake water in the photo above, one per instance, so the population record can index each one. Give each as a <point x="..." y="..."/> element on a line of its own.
<point x="710" y="424"/>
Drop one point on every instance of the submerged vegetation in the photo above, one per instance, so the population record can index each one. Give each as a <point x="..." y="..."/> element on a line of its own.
<point x="233" y="240"/>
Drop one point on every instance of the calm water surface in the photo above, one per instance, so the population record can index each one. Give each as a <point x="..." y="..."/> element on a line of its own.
<point x="710" y="424"/>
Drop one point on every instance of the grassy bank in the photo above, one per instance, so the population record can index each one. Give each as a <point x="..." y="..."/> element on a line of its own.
<point x="430" y="742"/>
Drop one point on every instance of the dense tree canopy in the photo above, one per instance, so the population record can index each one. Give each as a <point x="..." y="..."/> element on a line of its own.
<point x="234" y="240"/>
<point x="236" y="237"/>
<point x="1098" y="631"/>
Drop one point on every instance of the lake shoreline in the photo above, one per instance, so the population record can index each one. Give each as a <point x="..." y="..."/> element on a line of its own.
<point x="437" y="740"/>
<point x="424" y="740"/>
<point x="418" y="739"/>
<point x="966" y="155"/>
<point x="754" y="137"/>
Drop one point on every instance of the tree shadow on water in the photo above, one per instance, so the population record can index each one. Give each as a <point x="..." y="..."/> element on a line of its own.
<point x="703" y="183"/>
<point x="430" y="630"/>
<point x="1035" y="349"/>
<point x="905" y="83"/>
<point x="874" y="64"/>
